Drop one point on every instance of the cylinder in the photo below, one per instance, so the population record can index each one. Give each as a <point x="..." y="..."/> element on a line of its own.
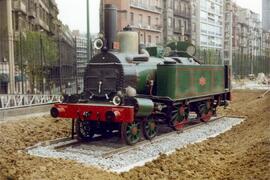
<point x="144" y="107"/>
<point x="110" y="24"/>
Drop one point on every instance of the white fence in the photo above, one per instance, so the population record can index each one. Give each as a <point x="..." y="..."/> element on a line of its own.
<point x="8" y="101"/>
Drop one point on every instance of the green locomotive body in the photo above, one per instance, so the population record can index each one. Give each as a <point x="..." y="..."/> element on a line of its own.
<point x="190" y="81"/>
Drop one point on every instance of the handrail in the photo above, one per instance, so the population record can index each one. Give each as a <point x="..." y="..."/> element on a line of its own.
<point x="9" y="101"/>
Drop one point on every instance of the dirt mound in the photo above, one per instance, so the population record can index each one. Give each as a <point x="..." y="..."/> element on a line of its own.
<point x="241" y="153"/>
<point x="16" y="164"/>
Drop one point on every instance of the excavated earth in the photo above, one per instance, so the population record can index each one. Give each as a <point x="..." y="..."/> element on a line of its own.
<point x="241" y="153"/>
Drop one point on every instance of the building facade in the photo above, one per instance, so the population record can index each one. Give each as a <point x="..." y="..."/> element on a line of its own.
<point x="195" y="23"/>
<point x="81" y="57"/>
<point x="266" y="15"/>
<point x="35" y="15"/>
<point x="211" y="24"/>
<point x="157" y="21"/>
<point x="265" y="50"/>
<point x="249" y="32"/>
<point x="18" y="17"/>
<point x="177" y="20"/>
<point x="231" y="37"/>
<point x="144" y="16"/>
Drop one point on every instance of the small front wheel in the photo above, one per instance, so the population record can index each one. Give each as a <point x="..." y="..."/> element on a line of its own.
<point x="85" y="130"/>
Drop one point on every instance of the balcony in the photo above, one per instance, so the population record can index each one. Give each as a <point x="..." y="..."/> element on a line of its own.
<point x="182" y="14"/>
<point x="31" y="13"/>
<point x="43" y="25"/>
<point x="179" y="31"/>
<point x="19" y="6"/>
<point x="154" y="28"/>
<point x="145" y="7"/>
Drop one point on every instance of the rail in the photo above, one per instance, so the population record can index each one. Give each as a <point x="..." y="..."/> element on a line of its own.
<point x="8" y="101"/>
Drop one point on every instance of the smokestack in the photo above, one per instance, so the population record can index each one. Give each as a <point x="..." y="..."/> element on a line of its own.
<point x="110" y="24"/>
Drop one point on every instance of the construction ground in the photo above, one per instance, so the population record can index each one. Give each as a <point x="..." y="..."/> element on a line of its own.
<point x="241" y="153"/>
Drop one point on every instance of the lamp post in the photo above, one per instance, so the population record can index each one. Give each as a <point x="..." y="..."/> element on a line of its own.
<point x="42" y="62"/>
<point x="89" y="54"/>
<point x="21" y="63"/>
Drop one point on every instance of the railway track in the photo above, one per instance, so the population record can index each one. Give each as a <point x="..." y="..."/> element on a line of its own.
<point x="114" y="145"/>
<point x="158" y="138"/>
<point x="112" y="155"/>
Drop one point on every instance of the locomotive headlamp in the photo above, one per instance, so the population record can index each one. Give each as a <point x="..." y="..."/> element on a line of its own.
<point x="98" y="43"/>
<point x="117" y="100"/>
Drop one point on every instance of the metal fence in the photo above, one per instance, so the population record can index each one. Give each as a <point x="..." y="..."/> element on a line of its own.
<point x="43" y="65"/>
<point x="209" y="56"/>
<point x="242" y="64"/>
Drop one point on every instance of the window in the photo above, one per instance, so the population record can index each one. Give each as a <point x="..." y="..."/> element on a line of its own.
<point x="193" y="27"/>
<point x="149" y="39"/>
<point x="149" y="20"/>
<point x="140" y="19"/>
<point x="157" y="3"/>
<point x="186" y="26"/>
<point x="170" y="4"/>
<point x="170" y="22"/>
<point x="141" y="38"/>
<point x="204" y="16"/>
<point x="176" y="5"/>
<point x="132" y="18"/>
<point x="157" y="39"/>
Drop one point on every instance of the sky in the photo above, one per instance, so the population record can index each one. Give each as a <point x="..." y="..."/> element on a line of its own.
<point x="254" y="5"/>
<point x="73" y="12"/>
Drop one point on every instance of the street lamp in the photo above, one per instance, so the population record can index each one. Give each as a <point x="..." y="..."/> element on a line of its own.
<point x="89" y="54"/>
<point x="42" y="62"/>
<point x="21" y="63"/>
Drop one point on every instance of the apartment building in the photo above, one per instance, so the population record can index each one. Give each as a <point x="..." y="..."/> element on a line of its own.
<point x="265" y="50"/>
<point x="249" y="32"/>
<point x="81" y="56"/>
<point x="177" y="20"/>
<point x="144" y="16"/>
<point x="35" y="15"/>
<point x="230" y="28"/>
<point x="168" y="19"/>
<point x="266" y="15"/>
<point x="157" y="21"/>
<point x="195" y="23"/>
<point x="211" y="24"/>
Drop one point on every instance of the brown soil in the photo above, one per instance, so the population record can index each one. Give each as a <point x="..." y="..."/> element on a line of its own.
<point x="241" y="153"/>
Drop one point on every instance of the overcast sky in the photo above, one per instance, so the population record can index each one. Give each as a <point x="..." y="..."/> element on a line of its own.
<point x="73" y="12"/>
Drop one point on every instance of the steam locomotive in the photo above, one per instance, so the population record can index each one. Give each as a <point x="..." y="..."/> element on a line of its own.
<point x="129" y="90"/>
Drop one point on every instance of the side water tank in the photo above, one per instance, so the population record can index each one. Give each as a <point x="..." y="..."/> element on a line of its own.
<point x="128" y="41"/>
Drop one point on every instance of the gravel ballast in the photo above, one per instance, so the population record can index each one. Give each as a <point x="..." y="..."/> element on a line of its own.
<point x="136" y="156"/>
